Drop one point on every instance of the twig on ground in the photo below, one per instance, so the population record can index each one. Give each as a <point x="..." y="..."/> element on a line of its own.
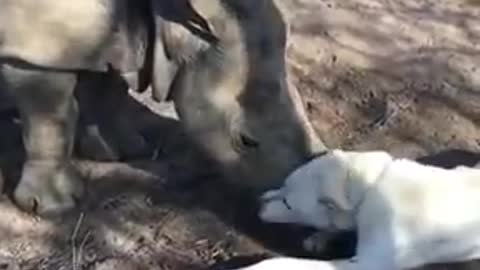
<point x="73" y="240"/>
<point x="82" y="245"/>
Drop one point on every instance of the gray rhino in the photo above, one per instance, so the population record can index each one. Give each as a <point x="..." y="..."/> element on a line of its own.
<point x="222" y="63"/>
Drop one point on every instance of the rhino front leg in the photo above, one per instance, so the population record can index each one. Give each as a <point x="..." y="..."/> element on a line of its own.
<point x="107" y="131"/>
<point x="49" y="185"/>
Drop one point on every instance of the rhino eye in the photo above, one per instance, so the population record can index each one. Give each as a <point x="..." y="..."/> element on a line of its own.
<point x="243" y="143"/>
<point x="248" y="142"/>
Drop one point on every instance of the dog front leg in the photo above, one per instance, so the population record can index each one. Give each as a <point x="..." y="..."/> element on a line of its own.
<point x="317" y="242"/>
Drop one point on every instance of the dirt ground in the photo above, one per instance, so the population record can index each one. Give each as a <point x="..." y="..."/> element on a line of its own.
<point x="373" y="74"/>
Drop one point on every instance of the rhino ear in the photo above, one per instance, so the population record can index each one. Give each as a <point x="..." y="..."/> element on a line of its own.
<point x="197" y="24"/>
<point x="182" y="12"/>
<point x="180" y="33"/>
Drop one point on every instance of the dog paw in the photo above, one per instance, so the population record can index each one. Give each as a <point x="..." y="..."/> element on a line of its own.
<point x="317" y="242"/>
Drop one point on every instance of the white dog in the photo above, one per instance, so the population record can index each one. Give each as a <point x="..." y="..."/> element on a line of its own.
<point x="406" y="214"/>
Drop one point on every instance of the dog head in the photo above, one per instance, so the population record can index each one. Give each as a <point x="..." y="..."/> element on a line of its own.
<point x="323" y="192"/>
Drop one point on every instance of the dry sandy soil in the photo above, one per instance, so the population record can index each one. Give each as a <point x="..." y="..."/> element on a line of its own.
<point x="373" y="74"/>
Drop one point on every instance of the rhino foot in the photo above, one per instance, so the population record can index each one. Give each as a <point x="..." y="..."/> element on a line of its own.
<point x="48" y="188"/>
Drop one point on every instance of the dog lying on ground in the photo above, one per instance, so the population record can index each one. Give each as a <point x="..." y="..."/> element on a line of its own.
<point x="406" y="214"/>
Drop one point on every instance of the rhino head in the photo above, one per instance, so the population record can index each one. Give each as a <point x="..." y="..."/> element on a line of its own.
<point x="222" y="62"/>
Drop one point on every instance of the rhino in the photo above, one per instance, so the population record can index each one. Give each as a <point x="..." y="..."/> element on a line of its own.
<point x="221" y="62"/>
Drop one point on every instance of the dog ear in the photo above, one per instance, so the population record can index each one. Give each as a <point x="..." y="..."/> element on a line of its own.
<point x="358" y="171"/>
<point x="337" y="189"/>
<point x="339" y="198"/>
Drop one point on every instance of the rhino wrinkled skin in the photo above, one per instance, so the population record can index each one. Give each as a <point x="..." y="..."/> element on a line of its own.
<point x="222" y="62"/>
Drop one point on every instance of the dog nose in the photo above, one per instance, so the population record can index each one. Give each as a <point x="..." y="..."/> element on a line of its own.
<point x="262" y="201"/>
<point x="269" y="195"/>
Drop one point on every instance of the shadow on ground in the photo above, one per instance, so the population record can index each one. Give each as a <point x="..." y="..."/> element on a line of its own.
<point x="174" y="212"/>
<point x="169" y="212"/>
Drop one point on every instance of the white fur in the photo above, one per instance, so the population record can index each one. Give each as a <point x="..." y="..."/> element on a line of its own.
<point x="406" y="214"/>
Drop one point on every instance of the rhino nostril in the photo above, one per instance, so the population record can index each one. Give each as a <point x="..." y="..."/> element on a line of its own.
<point x="76" y="200"/>
<point x="34" y="205"/>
